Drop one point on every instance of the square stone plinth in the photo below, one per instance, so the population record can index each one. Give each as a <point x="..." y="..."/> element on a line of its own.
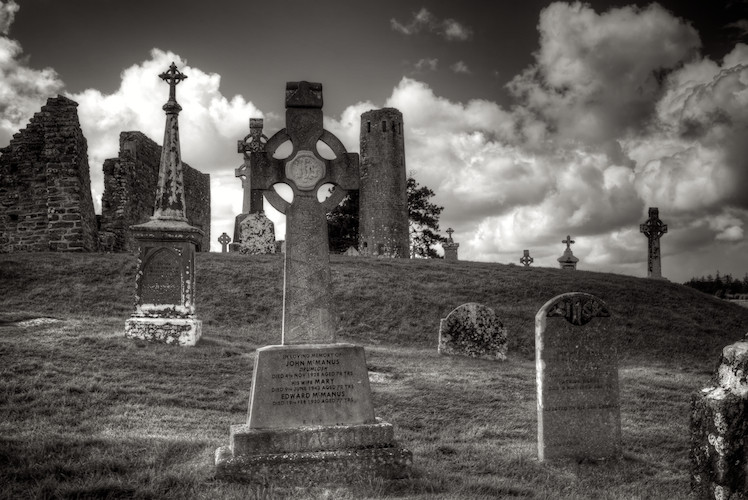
<point x="310" y="384"/>
<point x="312" y="455"/>
<point x="179" y="331"/>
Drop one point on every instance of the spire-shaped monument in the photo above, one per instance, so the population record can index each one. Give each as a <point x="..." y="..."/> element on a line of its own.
<point x="165" y="282"/>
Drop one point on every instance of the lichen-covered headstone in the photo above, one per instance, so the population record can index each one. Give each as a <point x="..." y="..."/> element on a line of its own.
<point x="579" y="414"/>
<point x="473" y="330"/>
<point x="257" y="234"/>
<point x="719" y="430"/>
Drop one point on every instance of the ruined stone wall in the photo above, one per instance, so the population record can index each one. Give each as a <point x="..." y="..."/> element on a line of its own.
<point x="130" y="183"/>
<point x="383" y="205"/>
<point x="45" y="185"/>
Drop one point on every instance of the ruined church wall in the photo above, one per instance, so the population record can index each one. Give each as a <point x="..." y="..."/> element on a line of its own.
<point x="45" y="186"/>
<point x="130" y="183"/>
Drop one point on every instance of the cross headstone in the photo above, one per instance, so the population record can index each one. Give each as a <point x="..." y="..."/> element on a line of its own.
<point x="653" y="229"/>
<point x="306" y="317"/>
<point x="526" y="260"/>
<point x="450" y="247"/>
<point x="224" y="240"/>
<point x="567" y="260"/>
<point x="254" y="142"/>
<point x="311" y="417"/>
<point x="579" y="413"/>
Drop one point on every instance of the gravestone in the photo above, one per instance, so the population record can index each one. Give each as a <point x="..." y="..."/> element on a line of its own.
<point x="526" y="260"/>
<point x="311" y="419"/>
<point x="224" y="240"/>
<point x="579" y="413"/>
<point x="567" y="260"/>
<point x="165" y="282"/>
<point x="257" y="234"/>
<point x="473" y="330"/>
<point x="719" y="430"/>
<point x="450" y="247"/>
<point x="653" y="229"/>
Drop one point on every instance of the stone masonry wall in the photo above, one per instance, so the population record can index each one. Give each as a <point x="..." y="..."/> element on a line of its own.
<point x="45" y="187"/>
<point x="130" y="182"/>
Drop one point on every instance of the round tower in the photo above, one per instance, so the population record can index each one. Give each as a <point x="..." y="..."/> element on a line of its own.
<point x="383" y="198"/>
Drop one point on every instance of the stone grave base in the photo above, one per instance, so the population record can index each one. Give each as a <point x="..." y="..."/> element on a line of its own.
<point x="312" y="455"/>
<point x="179" y="331"/>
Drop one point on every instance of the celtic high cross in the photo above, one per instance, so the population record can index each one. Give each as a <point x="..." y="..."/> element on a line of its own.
<point x="526" y="260"/>
<point x="653" y="229"/>
<point x="254" y="142"/>
<point x="307" y="315"/>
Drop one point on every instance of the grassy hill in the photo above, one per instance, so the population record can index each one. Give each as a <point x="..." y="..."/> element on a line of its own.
<point x="85" y="413"/>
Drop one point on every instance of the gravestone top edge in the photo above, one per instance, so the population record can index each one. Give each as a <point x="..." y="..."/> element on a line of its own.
<point x="562" y="305"/>
<point x="281" y="347"/>
<point x="477" y="304"/>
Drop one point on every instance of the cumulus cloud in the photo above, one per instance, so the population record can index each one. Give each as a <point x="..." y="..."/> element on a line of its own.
<point x="7" y="15"/>
<point x="425" y="21"/>
<point x="460" y="67"/>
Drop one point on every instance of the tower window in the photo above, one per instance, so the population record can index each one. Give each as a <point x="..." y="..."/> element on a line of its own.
<point x="384" y="126"/>
<point x="368" y="126"/>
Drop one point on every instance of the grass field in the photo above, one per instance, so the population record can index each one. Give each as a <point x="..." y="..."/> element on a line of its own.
<point x="86" y="413"/>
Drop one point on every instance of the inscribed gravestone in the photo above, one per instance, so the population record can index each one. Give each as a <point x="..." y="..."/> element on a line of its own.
<point x="473" y="330"/>
<point x="577" y="380"/>
<point x="162" y="278"/>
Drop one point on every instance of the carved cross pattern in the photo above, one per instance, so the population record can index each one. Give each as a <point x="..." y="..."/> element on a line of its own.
<point x="307" y="285"/>
<point x="224" y="240"/>
<point x="578" y="308"/>
<point x="173" y="76"/>
<point x="449" y="232"/>
<point x="255" y="141"/>
<point x="526" y="259"/>
<point x="568" y="242"/>
<point x="653" y="228"/>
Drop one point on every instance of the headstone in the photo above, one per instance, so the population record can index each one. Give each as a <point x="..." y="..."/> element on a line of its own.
<point x="719" y="430"/>
<point x="579" y="413"/>
<point x="311" y="419"/>
<point x="165" y="282"/>
<point x="567" y="260"/>
<point x="526" y="260"/>
<point x="450" y="247"/>
<point x="473" y="330"/>
<point x="653" y="229"/>
<point x="224" y="240"/>
<point x="257" y="234"/>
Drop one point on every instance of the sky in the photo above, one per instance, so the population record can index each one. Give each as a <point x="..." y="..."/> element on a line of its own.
<point x="530" y="120"/>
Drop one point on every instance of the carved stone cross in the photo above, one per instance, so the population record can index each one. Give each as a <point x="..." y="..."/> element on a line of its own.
<point x="526" y="259"/>
<point x="307" y="318"/>
<point x="254" y="142"/>
<point x="568" y="242"/>
<point x="172" y="76"/>
<point x="224" y="240"/>
<point x="449" y="232"/>
<point x="653" y="229"/>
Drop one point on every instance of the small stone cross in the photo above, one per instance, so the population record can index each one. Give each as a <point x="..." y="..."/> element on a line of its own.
<point x="173" y="76"/>
<point x="307" y="315"/>
<point x="224" y="240"/>
<point x="254" y="142"/>
<point x="449" y="232"/>
<point x="526" y="259"/>
<point x="653" y="229"/>
<point x="568" y="242"/>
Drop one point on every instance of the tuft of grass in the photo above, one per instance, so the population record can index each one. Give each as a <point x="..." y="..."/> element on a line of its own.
<point x="86" y="413"/>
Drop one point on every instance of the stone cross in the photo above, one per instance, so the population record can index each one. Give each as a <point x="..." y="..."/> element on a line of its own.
<point x="170" y="192"/>
<point x="526" y="259"/>
<point x="307" y="316"/>
<point x="568" y="242"/>
<point x="254" y="142"/>
<point x="449" y="232"/>
<point x="653" y="229"/>
<point x="224" y="240"/>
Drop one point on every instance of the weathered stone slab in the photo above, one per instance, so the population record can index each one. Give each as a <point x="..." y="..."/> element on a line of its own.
<point x="257" y="234"/>
<point x="473" y="330"/>
<point x="719" y="430"/>
<point x="304" y="385"/>
<point x="577" y="380"/>
<point x="177" y="331"/>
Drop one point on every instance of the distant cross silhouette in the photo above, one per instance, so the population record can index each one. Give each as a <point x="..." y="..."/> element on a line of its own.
<point x="449" y="232"/>
<point x="653" y="229"/>
<point x="224" y="240"/>
<point x="568" y="242"/>
<point x="526" y="259"/>
<point x="173" y="76"/>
